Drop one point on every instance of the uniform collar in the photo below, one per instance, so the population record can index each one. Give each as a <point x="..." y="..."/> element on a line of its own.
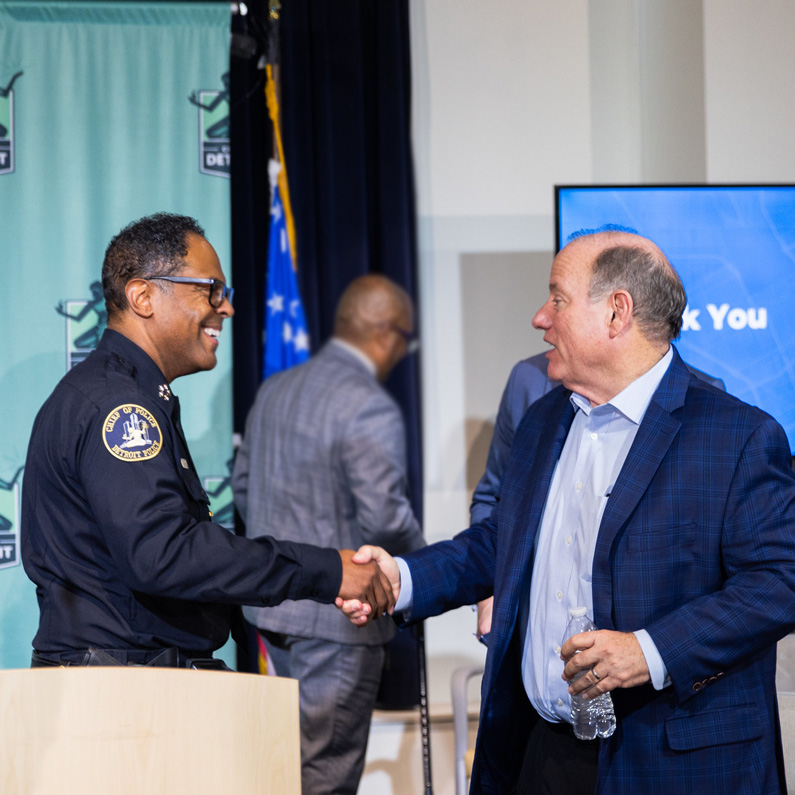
<point x="141" y="365"/>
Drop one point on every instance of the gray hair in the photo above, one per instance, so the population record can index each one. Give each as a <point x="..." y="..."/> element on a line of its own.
<point x="657" y="291"/>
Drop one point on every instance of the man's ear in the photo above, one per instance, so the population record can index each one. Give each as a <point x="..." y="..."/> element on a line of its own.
<point x="622" y="306"/>
<point x="139" y="294"/>
<point x="381" y="336"/>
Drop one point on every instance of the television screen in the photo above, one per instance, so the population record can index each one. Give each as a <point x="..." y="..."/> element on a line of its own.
<point x="734" y="247"/>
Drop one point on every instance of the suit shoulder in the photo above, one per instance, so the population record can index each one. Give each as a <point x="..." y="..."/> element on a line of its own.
<point x="344" y="387"/>
<point x="703" y="393"/>
<point x="528" y="382"/>
<point x="532" y="369"/>
<point x="725" y="415"/>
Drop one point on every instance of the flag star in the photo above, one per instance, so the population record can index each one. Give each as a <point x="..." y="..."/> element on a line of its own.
<point x="276" y="303"/>
<point x="276" y="212"/>
<point x="284" y="240"/>
<point x="287" y="332"/>
<point x="301" y="341"/>
<point x="294" y="304"/>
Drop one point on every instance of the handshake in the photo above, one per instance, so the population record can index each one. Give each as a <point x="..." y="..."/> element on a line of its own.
<point x="370" y="584"/>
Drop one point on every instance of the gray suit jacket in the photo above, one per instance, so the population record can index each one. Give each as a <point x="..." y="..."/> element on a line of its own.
<point x="324" y="462"/>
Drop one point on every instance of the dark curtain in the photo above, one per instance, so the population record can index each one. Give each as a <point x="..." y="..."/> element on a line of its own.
<point x="345" y="99"/>
<point x="251" y="141"/>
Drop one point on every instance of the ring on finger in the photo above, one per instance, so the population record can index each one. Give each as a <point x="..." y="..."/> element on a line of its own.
<point x="596" y="675"/>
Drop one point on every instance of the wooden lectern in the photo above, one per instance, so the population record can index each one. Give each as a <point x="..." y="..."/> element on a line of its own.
<point x="147" y="730"/>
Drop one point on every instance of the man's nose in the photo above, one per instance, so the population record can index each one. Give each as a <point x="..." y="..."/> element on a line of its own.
<point x="541" y="319"/>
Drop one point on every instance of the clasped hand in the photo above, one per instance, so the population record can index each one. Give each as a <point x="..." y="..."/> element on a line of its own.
<point x="616" y="656"/>
<point x="375" y="568"/>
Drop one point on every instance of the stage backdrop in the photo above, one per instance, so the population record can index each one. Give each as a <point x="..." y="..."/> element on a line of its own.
<point x="108" y="112"/>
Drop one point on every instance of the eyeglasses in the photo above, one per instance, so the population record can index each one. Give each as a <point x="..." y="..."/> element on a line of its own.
<point x="219" y="292"/>
<point x="412" y="342"/>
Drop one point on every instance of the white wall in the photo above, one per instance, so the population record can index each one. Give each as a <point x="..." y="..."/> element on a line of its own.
<point x="510" y="98"/>
<point x="749" y="83"/>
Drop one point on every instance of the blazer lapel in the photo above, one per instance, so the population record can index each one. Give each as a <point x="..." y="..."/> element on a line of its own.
<point x="530" y="470"/>
<point x="655" y="435"/>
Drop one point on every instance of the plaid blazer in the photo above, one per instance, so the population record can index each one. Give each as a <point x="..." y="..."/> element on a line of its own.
<point x="696" y="545"/>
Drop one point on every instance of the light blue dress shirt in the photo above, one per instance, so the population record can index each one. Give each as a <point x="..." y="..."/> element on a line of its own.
<point x="592" y="457"/>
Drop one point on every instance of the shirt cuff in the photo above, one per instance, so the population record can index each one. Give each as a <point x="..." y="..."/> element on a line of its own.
<point x="657" y="670"/>
<point x="406" y="596"/>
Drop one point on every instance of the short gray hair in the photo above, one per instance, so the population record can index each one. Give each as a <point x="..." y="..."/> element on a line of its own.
<point x="657" y="291"/>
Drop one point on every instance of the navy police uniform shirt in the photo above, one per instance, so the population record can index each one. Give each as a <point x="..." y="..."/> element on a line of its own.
<point x="116" y="529"/>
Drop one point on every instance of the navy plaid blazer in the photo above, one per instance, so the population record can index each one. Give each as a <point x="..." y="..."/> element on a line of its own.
<point x="696" y="545"/>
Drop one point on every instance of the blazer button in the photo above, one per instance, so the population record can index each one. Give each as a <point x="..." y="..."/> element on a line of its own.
<point x="315" y="592"/>
<point x="266" y="600"/>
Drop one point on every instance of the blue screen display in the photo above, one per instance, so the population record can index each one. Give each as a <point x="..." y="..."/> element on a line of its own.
<point x="734" y="248"/>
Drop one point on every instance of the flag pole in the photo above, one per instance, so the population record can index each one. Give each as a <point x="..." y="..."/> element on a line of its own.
<point x="273" y="111"/>
<point x="425" y="723"/>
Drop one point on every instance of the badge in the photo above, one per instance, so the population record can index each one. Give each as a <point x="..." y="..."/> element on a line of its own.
<point x="131" y="433"/>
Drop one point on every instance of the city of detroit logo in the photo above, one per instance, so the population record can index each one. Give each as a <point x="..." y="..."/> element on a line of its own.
<point x="213" y="129"/>
<point x="9" y="520"/>
<point x="7" y="125"/>
<point x="131" y="433"/>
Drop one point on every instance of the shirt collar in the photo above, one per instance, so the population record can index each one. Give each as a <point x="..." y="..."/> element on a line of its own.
<point x="634" y="399"/>
<point x="354" y="351"/>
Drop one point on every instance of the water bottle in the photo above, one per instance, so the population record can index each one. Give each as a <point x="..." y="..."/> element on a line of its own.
<point x="590" y="718"/>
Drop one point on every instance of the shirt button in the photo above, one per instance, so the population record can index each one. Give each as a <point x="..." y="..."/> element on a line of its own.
<point x="560" y="703"/>
<point x="556" y="649"/>
<point x="594" y="435"/>
<point x="568" y="540"/>
<point x="578" y="486"/>
<point x="559" y="594"/>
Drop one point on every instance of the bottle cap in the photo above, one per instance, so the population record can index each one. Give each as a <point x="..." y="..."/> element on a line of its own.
<point x="577" y="612"/>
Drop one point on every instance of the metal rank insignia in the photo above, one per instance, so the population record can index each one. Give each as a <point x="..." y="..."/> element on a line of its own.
<point x="164" y="391"/>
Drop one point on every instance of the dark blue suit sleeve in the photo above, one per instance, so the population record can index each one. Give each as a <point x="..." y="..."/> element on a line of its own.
<point x="453" y="573"/>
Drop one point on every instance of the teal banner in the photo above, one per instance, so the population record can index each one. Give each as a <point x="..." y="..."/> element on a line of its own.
<point x="108" y="112"/>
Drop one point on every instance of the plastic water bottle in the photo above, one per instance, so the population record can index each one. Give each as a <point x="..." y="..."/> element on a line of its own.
<point x="591" y="718"/>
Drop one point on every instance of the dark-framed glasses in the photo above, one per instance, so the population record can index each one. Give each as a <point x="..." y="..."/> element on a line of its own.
<point x="219" y="292"/>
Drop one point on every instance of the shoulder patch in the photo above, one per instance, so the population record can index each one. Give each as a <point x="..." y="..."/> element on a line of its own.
<point x="131" y="433"/>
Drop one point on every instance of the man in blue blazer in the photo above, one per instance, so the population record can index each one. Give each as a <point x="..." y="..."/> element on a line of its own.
<point x="529" y="380"/>
<point x="664" y="506"/>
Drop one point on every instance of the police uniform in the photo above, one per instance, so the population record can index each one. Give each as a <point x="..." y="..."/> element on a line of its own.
<point x="116" y="529"/>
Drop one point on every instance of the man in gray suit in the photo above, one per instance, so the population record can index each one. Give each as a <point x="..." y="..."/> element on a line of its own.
<point x="323" y="461"/>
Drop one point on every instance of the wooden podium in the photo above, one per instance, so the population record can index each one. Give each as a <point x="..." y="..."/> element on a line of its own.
<point x="147" y="730"/>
